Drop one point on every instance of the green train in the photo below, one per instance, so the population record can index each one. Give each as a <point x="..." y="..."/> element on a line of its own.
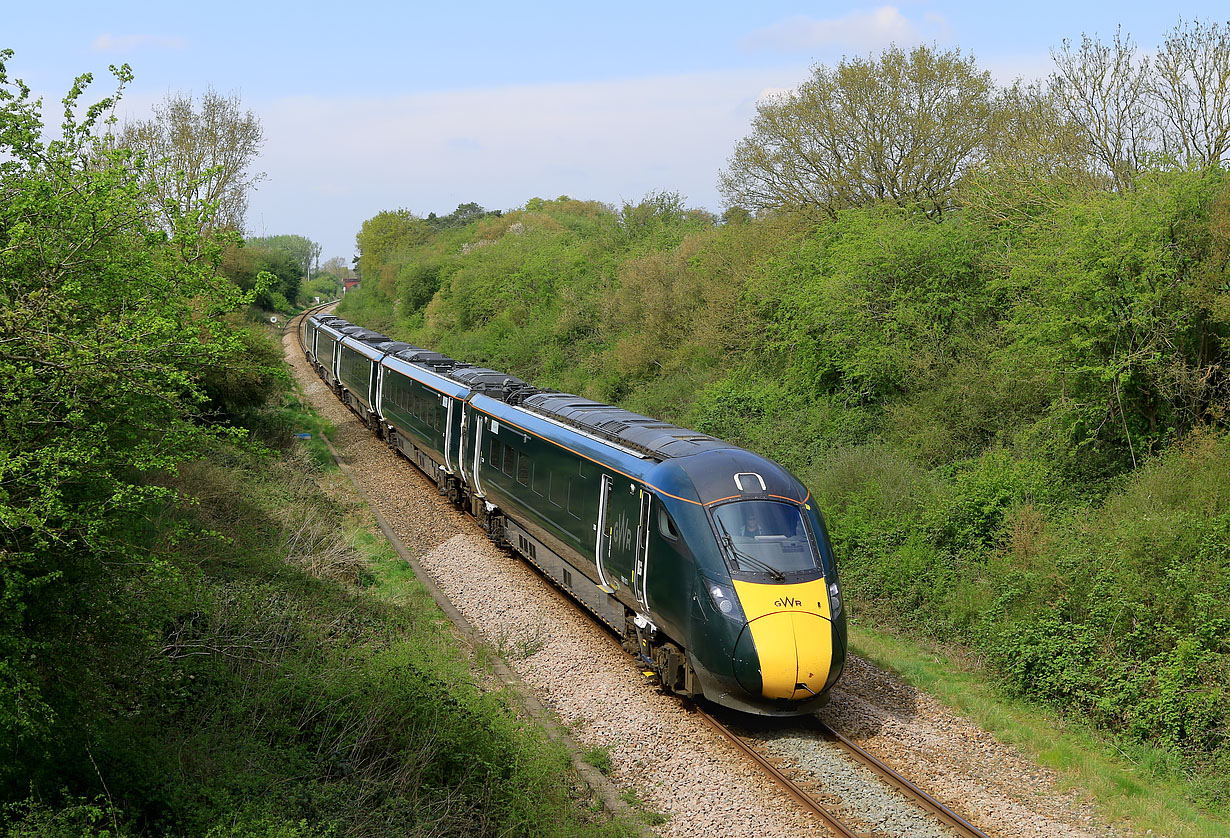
<point x="711" y="563"/>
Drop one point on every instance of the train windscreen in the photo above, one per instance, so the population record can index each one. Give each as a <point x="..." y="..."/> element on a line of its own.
<point x="762" y="536"/>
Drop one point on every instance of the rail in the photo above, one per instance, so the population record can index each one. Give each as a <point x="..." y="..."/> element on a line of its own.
<point x="924" y="801"/>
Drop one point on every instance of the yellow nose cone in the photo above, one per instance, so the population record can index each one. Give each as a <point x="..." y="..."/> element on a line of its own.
<point x="793" y="635"/>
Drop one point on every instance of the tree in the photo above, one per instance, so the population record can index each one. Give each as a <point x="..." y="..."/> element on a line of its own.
<point x="463" y="215"/>
<point x="279" y="288"/>
<point x="304" y="251"/>
<point x="197" y="159"/>
<point x="1035" y="158"/>
<point x="336" y="266"/>
<point x="1105" y="89"/>
<point x="380" y="238"/>
<point x="902" y="128"/>
<point x="1192" y="88"/>
<point x="106" y="336"/>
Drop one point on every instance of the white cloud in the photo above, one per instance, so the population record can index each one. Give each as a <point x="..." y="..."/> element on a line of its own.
<point x="771" y="93"/>
<point x="858" y="31"/>
<point x="121" y="43"/>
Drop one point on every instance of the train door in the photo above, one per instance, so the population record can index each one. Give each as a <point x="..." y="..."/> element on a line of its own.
<point x="450" y="434"/>
<point x="640" y="566"/>
<point x="373" y="384"/>
<point x="620" y="540"/>
<point x="377" y="390"/>
<point x="470" y="455"/>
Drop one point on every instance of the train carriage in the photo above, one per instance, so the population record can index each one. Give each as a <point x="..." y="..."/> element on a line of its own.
<point x="309" y="335"/>
<point x="358" y="371"/>
<point x="421" y="409"/>
<point x="555" y="488"/>
<point x="324" y="355"/>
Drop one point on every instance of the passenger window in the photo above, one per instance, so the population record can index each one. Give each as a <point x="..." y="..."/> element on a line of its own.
<point x="523" y="469"/>
<point x="510" y="460"/>
<point x="558" y="489"/>
<point x="575" y="501"/>
<point x="540" y="480"/>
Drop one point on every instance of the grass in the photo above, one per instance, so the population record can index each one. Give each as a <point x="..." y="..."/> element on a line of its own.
<point x="1127" y="785"/>
<point x="600" y="758"/>
<point x="303" y="420"/>
<point x="649" y="816"/>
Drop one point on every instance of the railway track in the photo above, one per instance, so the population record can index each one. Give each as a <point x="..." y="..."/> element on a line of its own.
<point x="928" y="804"/>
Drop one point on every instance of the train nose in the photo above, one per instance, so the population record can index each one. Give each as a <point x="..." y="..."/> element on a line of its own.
<point x="790" y="636"/>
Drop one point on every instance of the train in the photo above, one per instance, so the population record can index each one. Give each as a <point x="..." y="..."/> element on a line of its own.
<point x="711" y="563"/>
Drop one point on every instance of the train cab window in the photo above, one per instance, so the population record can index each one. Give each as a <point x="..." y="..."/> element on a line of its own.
<point x="765" y="536"/>
<point x="510" y="460"/>
<point x="666" y="525"/>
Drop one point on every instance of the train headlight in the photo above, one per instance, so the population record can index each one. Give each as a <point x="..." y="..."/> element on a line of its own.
<point x="724" y="600"/>
<point x="834" y="600"/>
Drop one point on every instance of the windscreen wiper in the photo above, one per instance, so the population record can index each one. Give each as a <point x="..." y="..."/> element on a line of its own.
<point x="742" y="558"/>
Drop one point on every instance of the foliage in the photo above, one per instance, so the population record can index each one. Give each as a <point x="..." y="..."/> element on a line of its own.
<point x="876" y="300"/>
<point x="902" y="128"/>
<point x="106" y="332"/>
<point x="1118" y="296"/>
<point x="460" y="217"/>
<point x="300" y="250"/>
<point x="273" y="275"/>
<point x="268" y="689"/>
<point x="188" y="642"/>
<point x="380" y="238"/>
<point x="197" y="162"/>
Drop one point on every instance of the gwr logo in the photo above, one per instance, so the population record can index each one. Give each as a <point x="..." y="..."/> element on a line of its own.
<point x="621" y="533"/>
<point x="789" y="602"/>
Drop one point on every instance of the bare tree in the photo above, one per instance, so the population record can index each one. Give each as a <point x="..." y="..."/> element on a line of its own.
<point x="1107" y="91"/>
<point x="199" y="158"/>
<point x="1192" y="88"/>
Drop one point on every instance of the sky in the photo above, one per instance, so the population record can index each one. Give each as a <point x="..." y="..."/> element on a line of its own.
<point x="370" y="106"/>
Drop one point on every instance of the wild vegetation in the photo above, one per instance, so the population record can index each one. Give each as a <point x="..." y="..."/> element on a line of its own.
<point x="1007" y="386"/>
<point x="196" y="638"/>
